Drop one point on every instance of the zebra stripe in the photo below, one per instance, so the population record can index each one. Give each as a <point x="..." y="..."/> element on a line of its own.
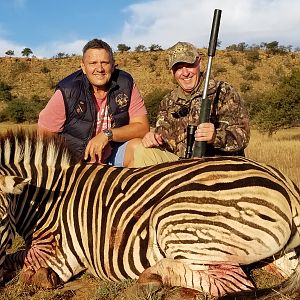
<point x="192" y="222"/>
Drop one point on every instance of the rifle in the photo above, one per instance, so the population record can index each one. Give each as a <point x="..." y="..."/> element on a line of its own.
<point x="200" y="147"/>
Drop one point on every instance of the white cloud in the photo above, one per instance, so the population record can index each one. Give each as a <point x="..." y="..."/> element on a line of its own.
<point x="165" y="22"/>
<point x="8" y="45"/>
<point x="53" y="48"/>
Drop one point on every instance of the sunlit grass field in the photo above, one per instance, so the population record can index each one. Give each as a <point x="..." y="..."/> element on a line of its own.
<point x="281" y="151"/>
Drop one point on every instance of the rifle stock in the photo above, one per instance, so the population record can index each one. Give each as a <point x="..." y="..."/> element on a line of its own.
<point x="200" y="147"/>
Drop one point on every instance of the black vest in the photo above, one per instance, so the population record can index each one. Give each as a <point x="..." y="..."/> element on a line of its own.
<point x="80" y="106"/>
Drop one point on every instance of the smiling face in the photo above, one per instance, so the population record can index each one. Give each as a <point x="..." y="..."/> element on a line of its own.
<point x="187" y="75"/>
<point x="98" y="66"/>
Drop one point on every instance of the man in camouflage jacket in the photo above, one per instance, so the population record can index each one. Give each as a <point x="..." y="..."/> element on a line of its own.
<point x="226" y="133"/>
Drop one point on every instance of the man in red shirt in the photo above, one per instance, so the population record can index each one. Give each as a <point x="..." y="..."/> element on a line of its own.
<point x="98" y="109"/>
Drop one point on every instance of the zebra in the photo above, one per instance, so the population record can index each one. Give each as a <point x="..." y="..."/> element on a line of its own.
<point x="191" y="223"/>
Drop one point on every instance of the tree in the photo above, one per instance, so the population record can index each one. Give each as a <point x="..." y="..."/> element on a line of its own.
<point x="10" y="53"/>
<point x="140" y="48"/>
<point x="123" y="48"/>
<point x="61" y="55"/>
<point x="26" y="52"/>
<point x="155" y="47"/>
<point x="239" y="47"/>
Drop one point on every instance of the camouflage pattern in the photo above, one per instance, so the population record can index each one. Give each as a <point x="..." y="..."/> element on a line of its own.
<point x="182" y="52"/>
<point x="231" y="118"/>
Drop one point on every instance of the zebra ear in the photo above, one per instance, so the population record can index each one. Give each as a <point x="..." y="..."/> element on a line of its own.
<point x="12" y="184"/>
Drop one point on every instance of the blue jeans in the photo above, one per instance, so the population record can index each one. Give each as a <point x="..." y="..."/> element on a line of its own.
<point x="117" y="156"/>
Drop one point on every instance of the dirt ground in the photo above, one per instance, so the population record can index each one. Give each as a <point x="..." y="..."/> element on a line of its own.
<point x="86" y="287"/>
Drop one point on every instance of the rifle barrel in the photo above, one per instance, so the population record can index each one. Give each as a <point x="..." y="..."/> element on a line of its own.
<point x="200" y="147"/>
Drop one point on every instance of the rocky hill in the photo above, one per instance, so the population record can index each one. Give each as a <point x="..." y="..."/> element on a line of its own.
<point x="247" y="71"/>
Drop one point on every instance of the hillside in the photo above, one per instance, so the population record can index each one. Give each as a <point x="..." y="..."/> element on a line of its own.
<point x="246" y="71"/>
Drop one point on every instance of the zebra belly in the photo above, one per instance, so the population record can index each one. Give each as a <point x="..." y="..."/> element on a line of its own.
<point x="206" y="230"/>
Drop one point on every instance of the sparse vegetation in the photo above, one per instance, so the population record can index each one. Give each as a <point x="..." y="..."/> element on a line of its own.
<point x="253" y="70"/>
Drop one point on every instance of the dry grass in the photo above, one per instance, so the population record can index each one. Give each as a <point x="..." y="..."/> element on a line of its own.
<point x="281" y="151"/>
<point x="28" y="77"/>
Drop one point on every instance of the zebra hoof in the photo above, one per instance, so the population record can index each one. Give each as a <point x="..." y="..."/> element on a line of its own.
<point x="44" y="278"/>
<point x="187" y="294"/>
<point x="149" y="283"/>
<point x="26" y="276"/>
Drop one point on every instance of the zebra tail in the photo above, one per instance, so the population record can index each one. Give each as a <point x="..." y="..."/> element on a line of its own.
<point x="289" y="287"/>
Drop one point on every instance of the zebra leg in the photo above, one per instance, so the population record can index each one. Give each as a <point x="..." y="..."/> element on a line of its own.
<point x="283" y="266"/>
<point x="44" y="278"/>
<point x="34" y="268"/>
<point x="212" y="279"/>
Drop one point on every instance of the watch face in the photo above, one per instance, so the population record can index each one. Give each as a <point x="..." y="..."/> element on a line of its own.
<point x="108" y="133"/>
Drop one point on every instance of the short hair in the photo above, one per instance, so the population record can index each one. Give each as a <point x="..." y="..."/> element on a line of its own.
<point x="98" y="44"/>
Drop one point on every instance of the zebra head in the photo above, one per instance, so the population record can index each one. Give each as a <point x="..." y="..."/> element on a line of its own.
<point x="9" y="185"/>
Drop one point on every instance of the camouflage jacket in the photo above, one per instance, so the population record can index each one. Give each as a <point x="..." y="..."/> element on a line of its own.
<point x="228" y="113"/>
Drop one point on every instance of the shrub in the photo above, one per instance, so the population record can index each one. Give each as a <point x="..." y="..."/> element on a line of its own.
<point x="278" y="109"/>
<point x="250" y="68"/>
<point x="45" y="70"/>
<point x="21" y="109"/>
<point x="246" y="87"/>
<point x="152" y="101"/>
<point x="252" y="56"/>
<point x="5" y="94"/>
<point x="233" y="60"/>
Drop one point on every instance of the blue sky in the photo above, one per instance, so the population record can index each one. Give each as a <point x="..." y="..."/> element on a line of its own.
<point x="48" y="27"/>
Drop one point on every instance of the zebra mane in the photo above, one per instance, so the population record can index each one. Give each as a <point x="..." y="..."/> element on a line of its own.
<point x="28" y="147"/>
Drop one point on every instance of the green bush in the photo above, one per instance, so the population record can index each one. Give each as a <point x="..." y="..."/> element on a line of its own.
<point x="5" y="94"/>
<point x="252" y="55"/>
<point x="278" y="109"/>
<point x="152" y="101"/>
<point x="20" y="110"/>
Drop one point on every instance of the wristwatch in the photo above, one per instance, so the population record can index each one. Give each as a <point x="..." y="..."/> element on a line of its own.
<point x="109" y="134"/>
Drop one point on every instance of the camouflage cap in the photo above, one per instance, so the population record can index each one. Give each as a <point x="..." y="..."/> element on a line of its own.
<point x="182" y="52"/>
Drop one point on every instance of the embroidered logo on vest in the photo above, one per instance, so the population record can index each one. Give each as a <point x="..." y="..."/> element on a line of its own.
<point x="122" y="100"/>
<point x="81" y="107"/>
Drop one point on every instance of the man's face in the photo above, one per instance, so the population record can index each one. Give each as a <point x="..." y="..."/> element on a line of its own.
<point x="187" y="75"/>
<point x="98" y="67"/>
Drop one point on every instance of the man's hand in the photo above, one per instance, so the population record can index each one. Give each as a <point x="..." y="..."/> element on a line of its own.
<point x="95" y="147"/>
<point x="152" y="139"/>
<point x="205" y="133"/>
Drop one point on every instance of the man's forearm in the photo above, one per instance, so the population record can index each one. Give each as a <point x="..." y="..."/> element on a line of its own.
<point x="130" y="131"/>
